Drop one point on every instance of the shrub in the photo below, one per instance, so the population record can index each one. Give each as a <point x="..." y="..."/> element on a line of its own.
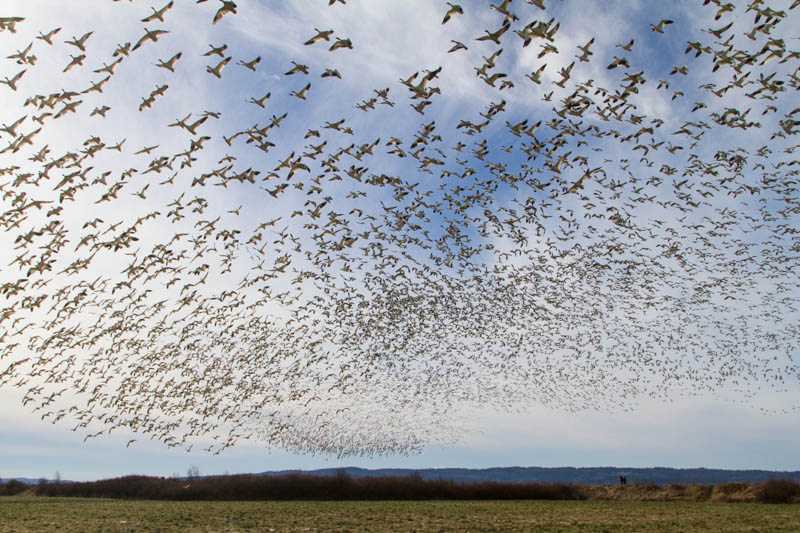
<point x="779" y="491"/>
<point x="700" y="492"/>
<point x="731" y="487"/>
<point x="12" y="487"/>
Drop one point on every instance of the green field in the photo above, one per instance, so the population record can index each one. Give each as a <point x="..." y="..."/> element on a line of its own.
<point x="19" y="513"/>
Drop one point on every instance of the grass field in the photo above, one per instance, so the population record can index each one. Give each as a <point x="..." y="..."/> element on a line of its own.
<point x="23" y="513"/>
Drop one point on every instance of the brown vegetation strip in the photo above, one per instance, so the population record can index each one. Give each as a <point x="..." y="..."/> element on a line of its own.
<point x="344" y="487"/>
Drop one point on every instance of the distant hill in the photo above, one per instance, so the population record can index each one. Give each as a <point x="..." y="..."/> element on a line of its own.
<point x="588" y="476"/>
<point x="28" y="480"/>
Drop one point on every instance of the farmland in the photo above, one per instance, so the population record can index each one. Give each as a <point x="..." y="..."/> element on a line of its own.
<point x="32" y="513"/>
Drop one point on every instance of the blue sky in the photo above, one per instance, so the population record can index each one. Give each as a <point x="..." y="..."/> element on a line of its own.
<point x="625" y="297"/>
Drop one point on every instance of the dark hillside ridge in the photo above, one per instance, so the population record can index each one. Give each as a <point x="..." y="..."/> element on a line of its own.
<point x="584" y="476"/>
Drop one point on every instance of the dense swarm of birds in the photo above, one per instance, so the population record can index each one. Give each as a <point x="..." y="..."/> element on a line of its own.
<point x="346" y="278"/>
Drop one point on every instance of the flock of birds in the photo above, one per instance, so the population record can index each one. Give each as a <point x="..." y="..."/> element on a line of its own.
<point x="345" y="284"/>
